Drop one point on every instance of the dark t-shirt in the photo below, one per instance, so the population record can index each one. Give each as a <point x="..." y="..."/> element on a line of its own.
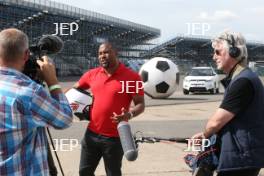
<point x="239" y="96"/>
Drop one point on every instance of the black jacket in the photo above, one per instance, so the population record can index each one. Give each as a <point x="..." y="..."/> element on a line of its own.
<point x="242" y="139"/>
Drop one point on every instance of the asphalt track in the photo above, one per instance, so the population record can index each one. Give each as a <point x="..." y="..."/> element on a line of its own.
<point x="178" y="116"/>
<point x="164" y="128"/>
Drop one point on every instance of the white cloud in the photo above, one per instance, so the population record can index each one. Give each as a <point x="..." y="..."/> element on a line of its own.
<point x="172" y="16"/>
<point x="256" y="10"/>
<point x="219" y="15"/>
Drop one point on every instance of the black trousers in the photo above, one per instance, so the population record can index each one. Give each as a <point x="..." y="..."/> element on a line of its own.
<point x="244" y="172"/>
<point x="94" y="147"/>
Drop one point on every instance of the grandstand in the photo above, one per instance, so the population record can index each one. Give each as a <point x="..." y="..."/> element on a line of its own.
<point x="38" y="17"/>
<point x="189" y="51"/>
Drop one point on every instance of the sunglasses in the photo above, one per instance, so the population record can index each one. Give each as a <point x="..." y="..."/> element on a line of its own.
<point x="217" y="52"/>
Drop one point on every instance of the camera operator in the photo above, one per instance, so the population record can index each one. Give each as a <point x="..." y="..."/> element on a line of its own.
<point x="26" y="108"/>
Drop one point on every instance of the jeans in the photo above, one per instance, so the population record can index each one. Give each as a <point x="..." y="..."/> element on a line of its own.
<point x="94" y="147"/>
<point x="242" y="172"/>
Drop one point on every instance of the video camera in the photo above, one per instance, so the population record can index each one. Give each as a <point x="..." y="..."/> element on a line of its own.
<point x="48" y="44"/>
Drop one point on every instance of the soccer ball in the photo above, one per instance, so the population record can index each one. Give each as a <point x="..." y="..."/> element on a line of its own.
<point x="160" y="77"/>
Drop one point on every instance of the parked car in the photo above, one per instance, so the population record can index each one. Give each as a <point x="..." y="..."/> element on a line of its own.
<point x="201" y="79"/>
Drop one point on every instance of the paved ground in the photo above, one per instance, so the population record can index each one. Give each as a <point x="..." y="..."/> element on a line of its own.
<point x="179" y="116"/>
<point x="158" y="159"/>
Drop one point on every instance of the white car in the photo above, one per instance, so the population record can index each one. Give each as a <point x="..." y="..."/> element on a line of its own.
<point x="201" y="79"/>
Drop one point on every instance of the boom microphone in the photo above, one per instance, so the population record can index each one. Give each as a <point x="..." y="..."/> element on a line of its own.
<point x="51" y="44"/>
<point x="127" y="141"/>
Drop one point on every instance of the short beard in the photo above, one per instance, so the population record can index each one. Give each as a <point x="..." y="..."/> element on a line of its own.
<point x="105" y="65"/>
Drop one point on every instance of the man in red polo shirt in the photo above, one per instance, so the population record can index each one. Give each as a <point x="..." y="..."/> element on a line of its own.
<point x="114" y="87"/>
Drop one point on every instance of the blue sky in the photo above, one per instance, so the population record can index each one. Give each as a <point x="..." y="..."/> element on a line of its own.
<point x="173" y="17"/>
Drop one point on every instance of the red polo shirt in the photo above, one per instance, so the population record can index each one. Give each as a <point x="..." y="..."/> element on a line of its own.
<point x="111" y="93"/>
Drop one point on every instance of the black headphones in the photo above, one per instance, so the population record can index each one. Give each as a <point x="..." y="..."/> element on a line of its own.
<point x="233" y="50"/>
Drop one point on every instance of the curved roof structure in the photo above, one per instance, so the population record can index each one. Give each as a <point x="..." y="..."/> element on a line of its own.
<point x="197" y="48"/>
<point x="41" y="17"/>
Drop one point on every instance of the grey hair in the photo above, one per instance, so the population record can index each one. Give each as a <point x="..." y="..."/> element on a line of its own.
<point x="13" y="43"/>
<point x="239" y="41"/>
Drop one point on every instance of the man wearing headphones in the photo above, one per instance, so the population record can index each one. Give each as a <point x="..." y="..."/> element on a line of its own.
<point x="239" y="121"/>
